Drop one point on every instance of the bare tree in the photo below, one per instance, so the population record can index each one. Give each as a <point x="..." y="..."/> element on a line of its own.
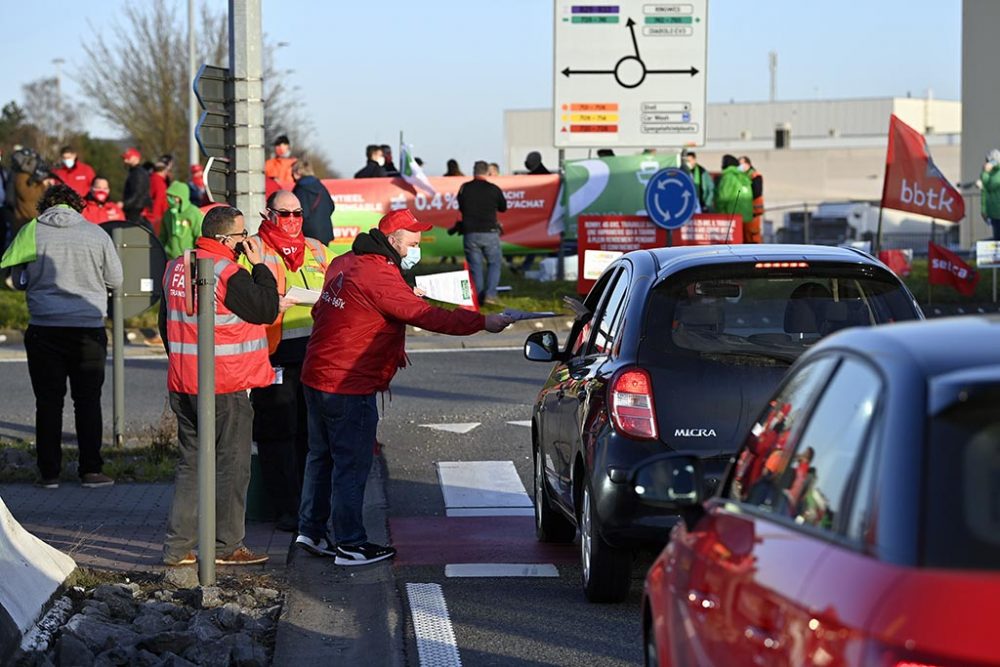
<point x="140" y="83"/>
<point x="52" y="113"/>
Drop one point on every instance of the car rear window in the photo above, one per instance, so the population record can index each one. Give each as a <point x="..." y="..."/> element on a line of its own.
<point x="762" y="315"/>
<point x="962" y="513"/>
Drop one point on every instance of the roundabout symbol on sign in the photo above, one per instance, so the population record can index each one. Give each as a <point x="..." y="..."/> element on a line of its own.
<point x="671" y="198"/>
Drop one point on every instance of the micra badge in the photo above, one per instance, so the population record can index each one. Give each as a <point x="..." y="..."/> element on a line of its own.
<point x="694" y="433"/>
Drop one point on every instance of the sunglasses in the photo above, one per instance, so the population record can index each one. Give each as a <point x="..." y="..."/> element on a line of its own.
<point x="284" y="213"/>
<point x="242" y="235"/>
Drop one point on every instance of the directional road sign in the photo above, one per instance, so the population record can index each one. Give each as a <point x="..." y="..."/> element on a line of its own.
<point x="630" y="74"/>
<point x="213" y="87"/>
<point x="216" y="183"/>
<point x="671" y="198"/>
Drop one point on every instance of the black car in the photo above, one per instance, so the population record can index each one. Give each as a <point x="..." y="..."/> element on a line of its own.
<point x="676" y="350"/>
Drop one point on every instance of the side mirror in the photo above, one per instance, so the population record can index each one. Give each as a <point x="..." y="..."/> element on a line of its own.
<point x="669" y="481"/>
<point x="542" y="346"/>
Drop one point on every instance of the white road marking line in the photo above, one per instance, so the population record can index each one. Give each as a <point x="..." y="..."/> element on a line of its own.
<point x="481" y="484"/>
<point x="436" y="643"/>
<point x="526" y="422"/>
<point x="458" y="427"/>
<point x="489" y="511"/>
<point x="500" y="570"/>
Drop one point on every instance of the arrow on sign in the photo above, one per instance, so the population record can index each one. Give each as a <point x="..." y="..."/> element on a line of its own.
<point x="692" y="71"/>
<point x="635" y="43"/>
<point x="568" y="71"/>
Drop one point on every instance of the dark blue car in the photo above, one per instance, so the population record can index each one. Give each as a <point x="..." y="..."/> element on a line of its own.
<point x="677" y="350"/>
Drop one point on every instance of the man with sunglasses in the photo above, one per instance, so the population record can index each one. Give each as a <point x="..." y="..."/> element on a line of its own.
<point x="279" y="425"/>
<point x="245" y="302"/>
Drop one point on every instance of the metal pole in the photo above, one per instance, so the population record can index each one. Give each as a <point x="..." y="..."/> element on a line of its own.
<point x="994" y="284"/>
<point x="118" y="350"/>
<point x="192" y="101"/>
<point x="246" y="66"/>
<point x="560" y="254"/>
<point x="805" y="223"/>
<point x="206" y="422"/>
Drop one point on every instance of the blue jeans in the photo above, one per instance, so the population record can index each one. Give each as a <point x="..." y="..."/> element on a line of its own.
<point x="341" y="447"/>
<point x="480" y="245"/>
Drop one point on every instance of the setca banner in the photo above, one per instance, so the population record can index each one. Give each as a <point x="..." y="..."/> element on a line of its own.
<point x="608" y="186"/>
<point x="360" y="203"/>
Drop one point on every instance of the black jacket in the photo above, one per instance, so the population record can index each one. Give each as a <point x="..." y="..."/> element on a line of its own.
<point x="136" y="194"/>
<point x="480" y="201"/>
<point x="317" y="207"/>
<point x="390" y="169"/>
<point x="371" y="170"/>
<point x="252" y="296"/>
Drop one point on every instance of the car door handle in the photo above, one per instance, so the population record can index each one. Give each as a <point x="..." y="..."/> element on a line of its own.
<point x="762" y="638"/>
<point x="702" y="601"/>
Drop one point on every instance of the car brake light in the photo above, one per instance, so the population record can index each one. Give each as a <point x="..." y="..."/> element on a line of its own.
<point x="781" y="265"/>
<point x="892" y="656"/>
<point x="632" y="408"/>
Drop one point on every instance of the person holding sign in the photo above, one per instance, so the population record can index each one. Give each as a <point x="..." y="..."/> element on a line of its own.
<point x="357" y="345"/>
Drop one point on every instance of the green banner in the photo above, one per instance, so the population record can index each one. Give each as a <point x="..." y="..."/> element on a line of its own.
<point x="610" y="185"/>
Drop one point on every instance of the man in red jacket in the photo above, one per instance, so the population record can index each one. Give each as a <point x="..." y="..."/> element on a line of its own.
<point x="74" y="172"/>
<point x="99" y="208"/>
<point x="356" y="347"/>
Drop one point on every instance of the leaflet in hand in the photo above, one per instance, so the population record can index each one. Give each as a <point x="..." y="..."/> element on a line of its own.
<point x="302" y="295"/>
<point x="518" y="315"/>
<point x="451" y="287"/>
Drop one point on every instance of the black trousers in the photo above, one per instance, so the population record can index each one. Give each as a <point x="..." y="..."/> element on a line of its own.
<point x="57" y="354"/>
<point x="280" y="430"/>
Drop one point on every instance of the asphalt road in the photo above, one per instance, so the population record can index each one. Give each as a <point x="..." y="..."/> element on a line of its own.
<point x="496" y="621"/>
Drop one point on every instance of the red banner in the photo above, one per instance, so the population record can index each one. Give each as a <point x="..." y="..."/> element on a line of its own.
<point x="530" y="200"/>
<point x="947" y="268"/>
<point x="603" y="238"/>
<point x="900" y="261"/>
<point x="912" y="182"/>
<point x="709" y="229"/>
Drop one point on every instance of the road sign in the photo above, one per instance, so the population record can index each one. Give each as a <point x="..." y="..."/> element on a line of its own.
<point x="213" y="86"/>
<point x="631" y="74"/>
<point x="143" y="263"/>
<point x="671" y="198"/>
<point x="987" y="254"/>
<point x="216" y="183"/>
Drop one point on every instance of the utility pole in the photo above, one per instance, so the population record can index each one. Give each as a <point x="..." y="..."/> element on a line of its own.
<point x="192" y="101"/>
<point x="246" y="67"/>
<point x="772" y="61"/>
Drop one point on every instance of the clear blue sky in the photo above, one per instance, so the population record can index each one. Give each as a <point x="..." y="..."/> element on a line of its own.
<point x="443" y="71"/>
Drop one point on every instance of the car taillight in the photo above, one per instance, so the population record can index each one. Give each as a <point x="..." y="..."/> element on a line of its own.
<point x="632" y="410"/>
<point x="882" y="655"/>
<point x="781" y="265"/>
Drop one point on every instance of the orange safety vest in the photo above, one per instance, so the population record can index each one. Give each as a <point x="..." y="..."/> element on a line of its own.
<point x="273" y="260"/>
<point x="241" y="360"/>
<point x="758" y="202"/>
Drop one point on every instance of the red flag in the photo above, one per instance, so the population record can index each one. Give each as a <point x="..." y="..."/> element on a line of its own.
<point x="900" y="261"/>
<point x="946" y="268"/>
<point x="912" y="182"/>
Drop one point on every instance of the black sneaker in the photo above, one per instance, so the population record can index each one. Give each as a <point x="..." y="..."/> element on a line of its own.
<point x="320" y="547"/>
<point x="362" y="554"/>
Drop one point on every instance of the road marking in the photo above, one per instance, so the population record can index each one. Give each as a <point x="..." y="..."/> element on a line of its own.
<point x="526" y="422"/>
<point x="489" y="511"/>
<point x="481" y="485"/>
<point x="459" y="427"/>
<point x="500" y="570"/>
<point x="436" y="644"/>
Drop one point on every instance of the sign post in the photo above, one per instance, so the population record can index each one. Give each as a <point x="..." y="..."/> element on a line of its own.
<point x="988" y="256"/>
<point x="631" y="74"/>
<point x="206" y="421"/>
<point x="213" y="86"/>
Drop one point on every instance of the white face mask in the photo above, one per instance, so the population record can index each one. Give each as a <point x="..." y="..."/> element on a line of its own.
<point x="744" y="167"/>
<point x="69" y="163"/>
<point x="380" y="161"/>
<point x="411" y="258"/>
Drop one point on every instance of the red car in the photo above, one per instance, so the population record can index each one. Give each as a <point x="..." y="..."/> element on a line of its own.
<point x="858" y="525"/>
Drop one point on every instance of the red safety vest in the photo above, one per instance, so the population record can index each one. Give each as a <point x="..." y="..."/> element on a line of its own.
<point x="241" y="360"/>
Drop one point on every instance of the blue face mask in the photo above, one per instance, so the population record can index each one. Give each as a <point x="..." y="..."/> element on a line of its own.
<point x="411" y="259"/>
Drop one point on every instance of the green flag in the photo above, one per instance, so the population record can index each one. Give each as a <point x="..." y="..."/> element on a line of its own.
<point x="23" y="248"/>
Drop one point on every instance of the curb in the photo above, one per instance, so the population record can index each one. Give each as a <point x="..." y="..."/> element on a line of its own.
<point x="344" y="615"/>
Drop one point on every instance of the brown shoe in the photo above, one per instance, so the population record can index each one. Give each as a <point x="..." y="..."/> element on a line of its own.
<point x="241" y="556"/>
<point x="188" y="559"/>
<point x="95" y="480"/>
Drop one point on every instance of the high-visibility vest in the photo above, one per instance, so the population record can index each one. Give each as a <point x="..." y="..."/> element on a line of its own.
<point x="296" y="322"/>
<point x="241" y="360"/>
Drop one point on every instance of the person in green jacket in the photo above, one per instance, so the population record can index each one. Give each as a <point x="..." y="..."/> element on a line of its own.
<point x="703" y="183"/>
<point x="990" y="178"/>
<point x="734" y="194"/>
<point x="181" y="223"/>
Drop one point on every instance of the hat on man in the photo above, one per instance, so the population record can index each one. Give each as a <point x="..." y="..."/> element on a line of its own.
<point x="402" y="219"/>
<point x="130" y="153"/>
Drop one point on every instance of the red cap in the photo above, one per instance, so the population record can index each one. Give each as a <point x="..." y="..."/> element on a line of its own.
<point x="197" y="169"/>
<point x="402" y="219"/>
<point x="130" y="153"/>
